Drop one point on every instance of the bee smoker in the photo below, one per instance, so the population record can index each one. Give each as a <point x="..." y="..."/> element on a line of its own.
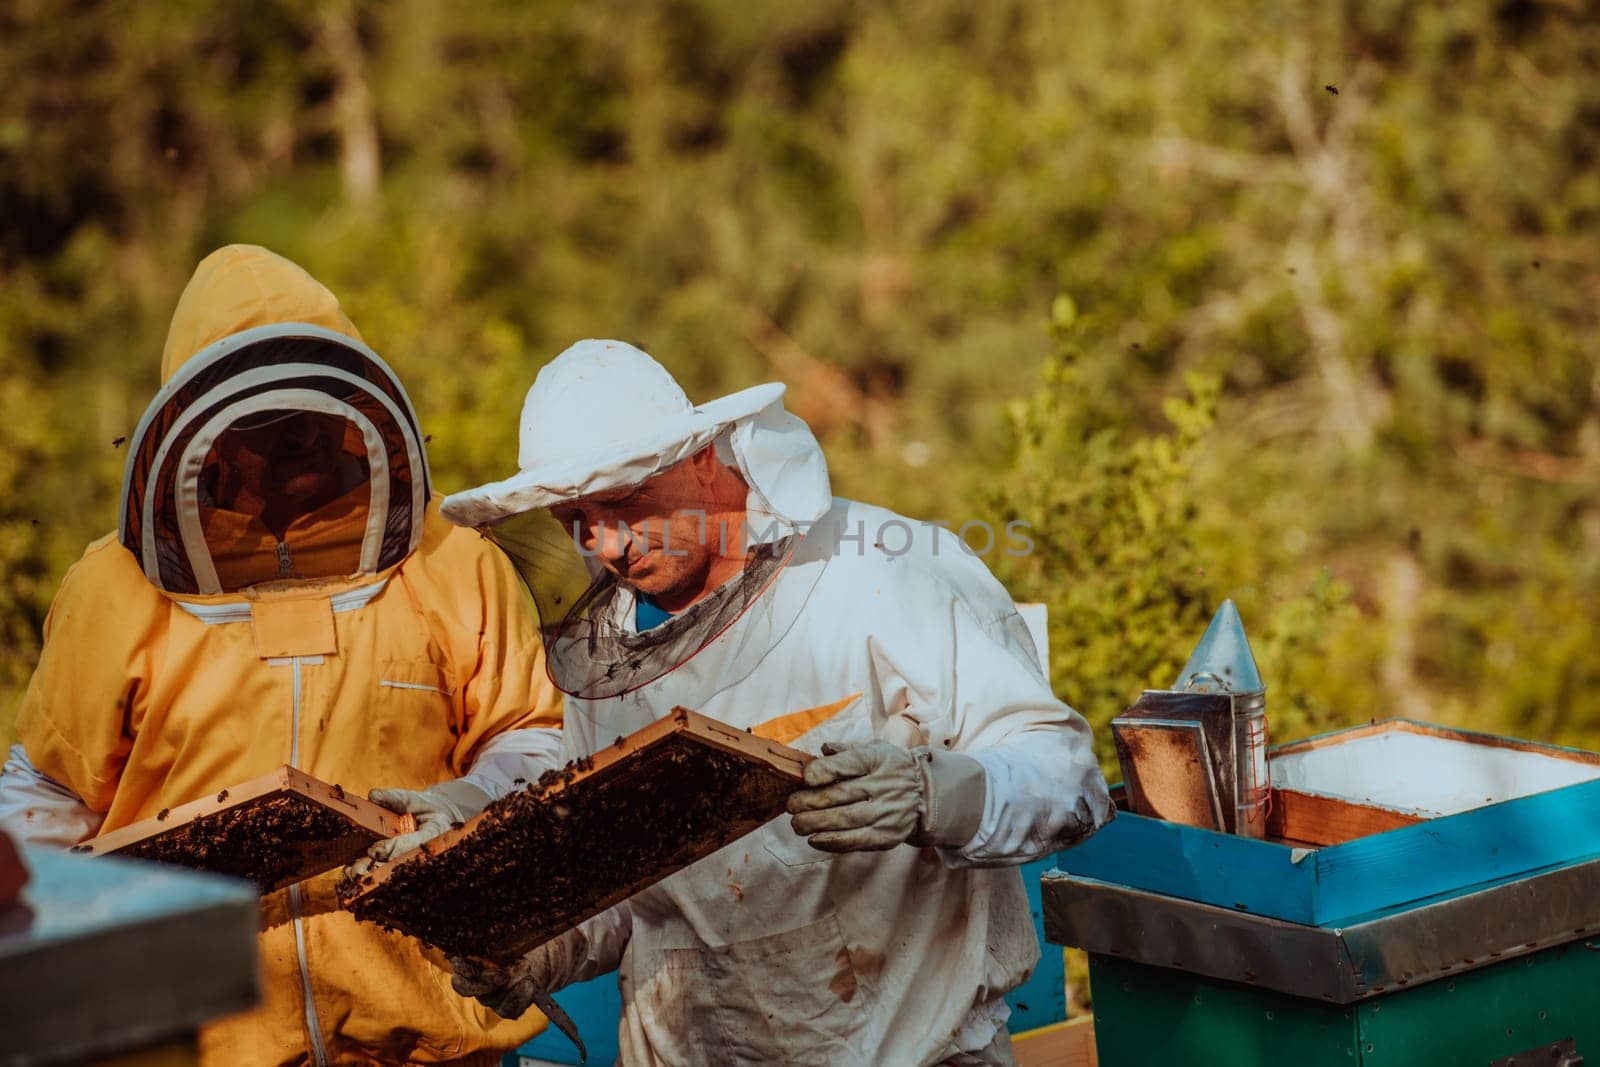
<point x="1197" y="753"/>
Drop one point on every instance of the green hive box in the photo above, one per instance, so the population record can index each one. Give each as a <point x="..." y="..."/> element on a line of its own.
<point x="1148" y="1015"/>
<point x="1423" y="896"/>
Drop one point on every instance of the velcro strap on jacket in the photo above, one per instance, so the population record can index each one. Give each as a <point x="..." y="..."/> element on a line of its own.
<point x="301" y="627"/>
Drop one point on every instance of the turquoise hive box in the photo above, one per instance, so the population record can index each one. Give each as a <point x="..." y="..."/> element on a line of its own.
<point x="1422" y="895"/>
<point x="110" y="957"/>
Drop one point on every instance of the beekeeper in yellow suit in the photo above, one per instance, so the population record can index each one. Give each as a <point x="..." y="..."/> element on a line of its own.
<point x="281" y="589"/>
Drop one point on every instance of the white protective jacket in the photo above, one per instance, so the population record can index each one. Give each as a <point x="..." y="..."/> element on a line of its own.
<point x="770" y="951"/>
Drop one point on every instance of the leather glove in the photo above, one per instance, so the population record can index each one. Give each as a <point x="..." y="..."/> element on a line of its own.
<point x="878" y="795"/>
<point x="508" y="991"/>
<point x="437" y="808"/>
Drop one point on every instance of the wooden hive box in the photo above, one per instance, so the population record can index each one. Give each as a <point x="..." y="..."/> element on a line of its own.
<point x="120" y="963"/>
<point x="540" y="861"/>
<point x="275" y="830"/>
<point x="1368" y="818"/>
<point x="1424" y="895"/>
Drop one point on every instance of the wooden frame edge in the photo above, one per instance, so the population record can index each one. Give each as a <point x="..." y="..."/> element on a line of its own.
<point x="374" y="818"/>
<point x="786" y="761"/>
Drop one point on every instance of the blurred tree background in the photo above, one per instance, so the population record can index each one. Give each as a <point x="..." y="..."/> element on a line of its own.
<point x="1293" y="305"/>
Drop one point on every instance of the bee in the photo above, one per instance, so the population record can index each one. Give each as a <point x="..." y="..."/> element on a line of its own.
<point x="161" y="816"/>
<point x="1333" y="90"/>
<point x="116" y="442"/>
<point x="222" y="796"/>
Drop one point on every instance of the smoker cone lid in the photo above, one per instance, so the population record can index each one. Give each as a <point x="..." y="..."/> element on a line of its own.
<point x="1222" y="661"/>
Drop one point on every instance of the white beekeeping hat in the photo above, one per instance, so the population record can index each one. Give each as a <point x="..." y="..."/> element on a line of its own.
<point x="604" y="415"/>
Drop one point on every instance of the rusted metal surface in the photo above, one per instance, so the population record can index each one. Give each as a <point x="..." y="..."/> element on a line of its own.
<point x="1176" y="752"/>
<point x="1196" y="754"/>
<point x="1223" y="663"/>
<point x="1169" y="770"/>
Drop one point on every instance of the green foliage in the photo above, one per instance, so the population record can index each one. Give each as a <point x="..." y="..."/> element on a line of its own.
<point x="1119" y="551"/>
<point x="1333" y="355"/>
<point x="1111" y="521"/>
<point x="25" y="585"/>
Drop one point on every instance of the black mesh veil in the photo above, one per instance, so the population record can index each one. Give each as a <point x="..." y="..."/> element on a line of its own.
<point x="289" y="395"/>
<point x="593" y="643"/>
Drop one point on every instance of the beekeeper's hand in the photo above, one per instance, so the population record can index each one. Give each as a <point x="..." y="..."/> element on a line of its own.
<point x="507" y="991"/>
<point x="436" y="808"/>
<point x="878" y="795"/>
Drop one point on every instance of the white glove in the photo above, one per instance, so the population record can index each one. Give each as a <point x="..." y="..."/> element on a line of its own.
<point x="879" y="795"/>
<point x="508" y="991"/>
<point x="437" y="809"/>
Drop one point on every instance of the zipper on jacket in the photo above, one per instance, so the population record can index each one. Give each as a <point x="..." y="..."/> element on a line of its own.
<point x="319" y="1051"/>
<point x="283" y="560"/>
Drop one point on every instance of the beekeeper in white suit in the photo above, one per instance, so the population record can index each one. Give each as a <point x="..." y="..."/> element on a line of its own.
<point x="885" y="920"/>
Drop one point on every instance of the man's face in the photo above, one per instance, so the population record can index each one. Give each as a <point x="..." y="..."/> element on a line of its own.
<point x="659" y="538"/>
<point x="288" y="460"/>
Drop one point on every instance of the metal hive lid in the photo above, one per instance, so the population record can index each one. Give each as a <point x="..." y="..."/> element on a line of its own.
<point x="1222" y="661"/>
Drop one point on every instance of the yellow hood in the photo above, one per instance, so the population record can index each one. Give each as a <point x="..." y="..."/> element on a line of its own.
<point x="254" y="332"/>
<point x="240" y="286"/>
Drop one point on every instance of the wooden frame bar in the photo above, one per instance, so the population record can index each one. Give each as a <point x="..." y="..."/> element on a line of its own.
<point x="1428" y="729"/>
<point x="1063" y="1044"/>
<point x="1314" y="820"/>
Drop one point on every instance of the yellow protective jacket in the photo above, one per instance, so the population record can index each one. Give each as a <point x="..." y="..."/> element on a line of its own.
<point x="154" y="689"/>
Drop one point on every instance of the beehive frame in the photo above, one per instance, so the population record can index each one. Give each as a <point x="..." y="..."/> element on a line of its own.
<point x="354" y="821"/>
<point x="535" y="864"/>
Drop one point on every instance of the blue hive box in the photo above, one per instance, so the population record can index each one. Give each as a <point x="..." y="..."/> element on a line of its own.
<point x="1424" y="895"/>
